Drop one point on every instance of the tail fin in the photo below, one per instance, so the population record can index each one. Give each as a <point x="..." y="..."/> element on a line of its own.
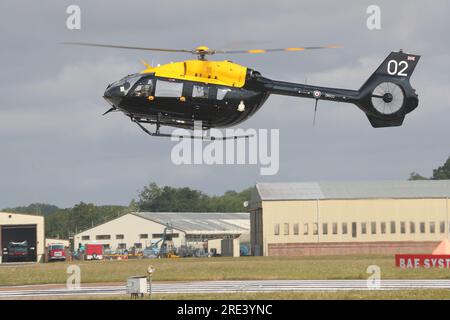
<point x="387" y="96"/>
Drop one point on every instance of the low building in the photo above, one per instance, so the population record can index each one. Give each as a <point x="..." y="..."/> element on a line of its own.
<point x="21" y="237"/>
<point x="329" y="218"/>
<point x="140" y="229"/>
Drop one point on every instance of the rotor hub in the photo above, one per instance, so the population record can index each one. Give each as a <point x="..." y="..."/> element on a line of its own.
<point x="388" y="97"/>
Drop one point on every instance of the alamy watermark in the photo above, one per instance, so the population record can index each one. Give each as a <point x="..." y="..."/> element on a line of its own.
<point x="373" y="21"/>
<point x="240" y="147"/>
<point x="73" y="21"/>
<point x="74" y="278"/>
<point x="374" y="280"/>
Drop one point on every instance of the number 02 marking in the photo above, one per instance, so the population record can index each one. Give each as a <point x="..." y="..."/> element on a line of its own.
<point x="397" y="68"/>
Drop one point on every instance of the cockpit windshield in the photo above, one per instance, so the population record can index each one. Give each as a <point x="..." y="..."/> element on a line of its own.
<point x="126" y="83"/>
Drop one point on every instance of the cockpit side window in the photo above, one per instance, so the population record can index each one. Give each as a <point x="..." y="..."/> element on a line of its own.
<point x="143" y="88"/>
<point x="200" y="92"/>
<point x="168" y="89"/>
<point x="221" y="93"/>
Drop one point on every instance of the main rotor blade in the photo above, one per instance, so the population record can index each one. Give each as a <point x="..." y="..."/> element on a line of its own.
<point x="87" y="44"/>
<point x="276" y="49"/>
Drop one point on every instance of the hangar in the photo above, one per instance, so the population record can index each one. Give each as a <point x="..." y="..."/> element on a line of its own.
<point x="138" y="230"/>
<point x="21" y="237"/>
<point x="331" y="218"/>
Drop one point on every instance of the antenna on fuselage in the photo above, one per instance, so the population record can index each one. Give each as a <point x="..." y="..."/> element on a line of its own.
<point x="317" y="94"/>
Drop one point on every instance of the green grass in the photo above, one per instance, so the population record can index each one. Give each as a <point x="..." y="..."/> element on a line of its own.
<point x="330" y="267"/>
<point x="340" y="295"/>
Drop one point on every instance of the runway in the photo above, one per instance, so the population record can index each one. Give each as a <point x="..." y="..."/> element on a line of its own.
<point x="224" y="287"/>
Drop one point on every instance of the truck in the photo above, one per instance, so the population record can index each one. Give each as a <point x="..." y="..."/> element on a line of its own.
<point x="18" y="251"/>
<point x="56" y="252"/>
<point x="94" y="251"/>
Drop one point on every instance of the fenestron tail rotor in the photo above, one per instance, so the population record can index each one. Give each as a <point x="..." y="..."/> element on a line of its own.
<point x="203" y="51"/>
<point x="388" y="98"/>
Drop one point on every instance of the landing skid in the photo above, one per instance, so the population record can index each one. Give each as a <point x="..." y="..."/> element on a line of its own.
<point x="157" y="133"/>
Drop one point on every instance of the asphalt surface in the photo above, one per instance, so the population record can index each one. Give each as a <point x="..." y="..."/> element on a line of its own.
<point x="224" y="287"/>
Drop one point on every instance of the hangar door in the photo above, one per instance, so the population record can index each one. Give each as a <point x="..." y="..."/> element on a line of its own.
<point x="18" y="242"/>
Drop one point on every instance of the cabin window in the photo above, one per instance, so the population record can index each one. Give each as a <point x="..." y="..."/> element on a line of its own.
<point x="200" y="92"/>
<point x="168" y="89"/>
<point x="221" y="93"/>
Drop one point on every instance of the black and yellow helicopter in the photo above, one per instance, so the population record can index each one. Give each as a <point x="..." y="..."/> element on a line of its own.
<point x="222" y="93"/>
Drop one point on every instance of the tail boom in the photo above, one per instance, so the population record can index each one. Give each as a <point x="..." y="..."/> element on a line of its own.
<point x="386" y="97"/>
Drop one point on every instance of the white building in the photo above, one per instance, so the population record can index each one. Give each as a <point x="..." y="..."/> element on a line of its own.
<point x="22" y="228"/>
<point x="140" y="229"/>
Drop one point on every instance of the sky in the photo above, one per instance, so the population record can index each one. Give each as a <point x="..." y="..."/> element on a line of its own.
<point x="56" y="147"/>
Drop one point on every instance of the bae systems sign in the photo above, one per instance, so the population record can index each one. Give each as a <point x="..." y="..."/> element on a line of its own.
<point x="411" y="261"/>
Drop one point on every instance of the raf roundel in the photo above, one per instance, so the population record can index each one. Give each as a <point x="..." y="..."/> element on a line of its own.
<point x="317" y="94"/>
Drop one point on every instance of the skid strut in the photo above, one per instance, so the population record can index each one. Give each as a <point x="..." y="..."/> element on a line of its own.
<point x="157" y="133"/>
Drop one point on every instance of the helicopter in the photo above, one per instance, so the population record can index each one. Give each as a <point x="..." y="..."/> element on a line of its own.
<point x="223" y="93"/>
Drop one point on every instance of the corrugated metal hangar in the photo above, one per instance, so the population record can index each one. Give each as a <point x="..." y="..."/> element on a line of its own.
<point x="21" y="237"/>
<point x="140" y="230"/>
<point x="328" y="218"/>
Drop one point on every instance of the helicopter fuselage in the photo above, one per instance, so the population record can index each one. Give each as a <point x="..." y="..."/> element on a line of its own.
<point x="180" y="102"/>
<point x="178" y="98"/>
<point x="222" y="94"/>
